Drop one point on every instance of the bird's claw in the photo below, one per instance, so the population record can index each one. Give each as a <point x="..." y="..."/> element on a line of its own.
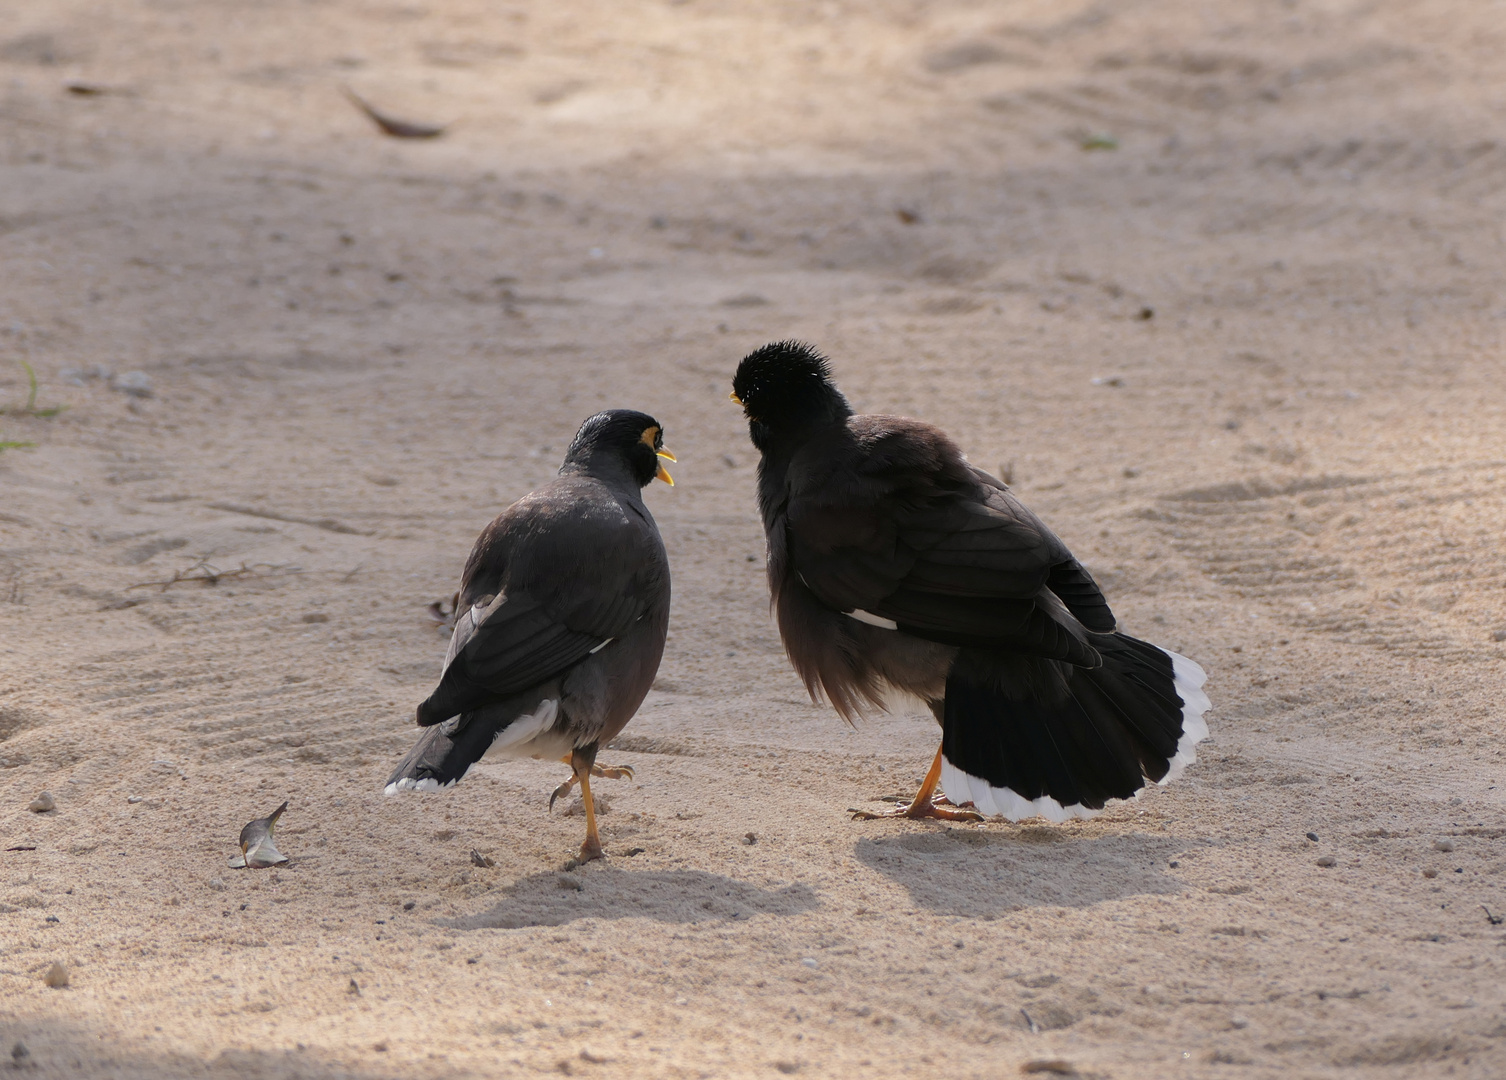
<point x="611" y="772"/>
<point x="938" y="809"/>
<point x="563" y="789"/>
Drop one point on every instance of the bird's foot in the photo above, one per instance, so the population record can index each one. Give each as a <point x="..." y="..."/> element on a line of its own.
<point x="562" y="790"/>
<point x="590" y="850"/>
<point x="613" y="772"/>
<point x="939" y="808"/>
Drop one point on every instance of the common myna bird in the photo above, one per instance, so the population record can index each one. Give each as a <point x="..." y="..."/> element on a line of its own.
<point x="895" y="566"/>
<point x="562" y="613"/>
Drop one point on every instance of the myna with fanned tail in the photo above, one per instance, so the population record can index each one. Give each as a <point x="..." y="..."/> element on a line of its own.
<point x="560" y="624"/>
<point x="895" y="566"/>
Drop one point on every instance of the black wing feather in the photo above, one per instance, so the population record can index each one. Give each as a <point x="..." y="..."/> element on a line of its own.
<point x="565" y="584"/>
<point x="914" y="534"/>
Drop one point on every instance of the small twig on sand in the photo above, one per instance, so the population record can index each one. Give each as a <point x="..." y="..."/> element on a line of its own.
<point x="206" y="573"/>
<point x="390" y="125"/>
<point x="1495" y="920"/>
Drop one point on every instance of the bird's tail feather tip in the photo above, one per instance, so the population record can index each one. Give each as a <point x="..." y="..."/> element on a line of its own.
<point x="1188" y="677"/>
<point x="409" y="783"/>
<point x="962" y="788"/>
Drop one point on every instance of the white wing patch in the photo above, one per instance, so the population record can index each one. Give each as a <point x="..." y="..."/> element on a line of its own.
<point x="525" y="728"/>
<point x="872" y="620"/>
<point x="603" y="645"/>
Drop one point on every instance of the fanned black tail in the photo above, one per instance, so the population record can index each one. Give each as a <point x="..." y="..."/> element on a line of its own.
<point x="1024" y="737"/>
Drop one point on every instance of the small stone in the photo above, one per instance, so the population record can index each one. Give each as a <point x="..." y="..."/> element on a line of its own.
<point x="1313" y="837"/>
<point x="810" y="962"/>
<point x="316" y="617"/>
<point x="136" y="384"/>
<point x="410" y="905"/>
<point x="217" y="884"/>
<point x="133" y="799"/>
<point x="1430" y="873"/>
<point x="57" y="975"/>
<point x="42" y="804"/>
<point x="478" y="859"/>
<point x="1443" y="845"/>
<point x="1327" y="860"/>
<point x="593" y="1059"/>
<point x="1239" y="1023"/>
<point x="750" y="838"/>
<point x="1050" y="1067"/>
<point x="53" y="919"/>
<point x="1499" y="635"/>
<point x="19" y="1053"/>
<point x="381" y="1047"/>
<point x="354" y="989"/>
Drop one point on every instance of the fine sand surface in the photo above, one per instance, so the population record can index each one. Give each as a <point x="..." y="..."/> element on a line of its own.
<point x="1220" y="286"/>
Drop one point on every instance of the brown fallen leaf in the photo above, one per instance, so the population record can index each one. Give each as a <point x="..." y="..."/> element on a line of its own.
<point x="398" y="129"/>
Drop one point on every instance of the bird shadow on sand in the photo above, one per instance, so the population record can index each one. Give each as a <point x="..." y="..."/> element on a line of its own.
<point x="679" y="896"/>
<point x="982" y="874"/>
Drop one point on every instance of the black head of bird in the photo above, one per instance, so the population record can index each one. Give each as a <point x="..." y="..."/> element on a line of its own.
<point x="785" y="387"/>
<point x="619" y="444"/>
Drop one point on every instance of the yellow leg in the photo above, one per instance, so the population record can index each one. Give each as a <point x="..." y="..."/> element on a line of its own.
<point x="924" y="805"/>
<point x="591" y="849"/>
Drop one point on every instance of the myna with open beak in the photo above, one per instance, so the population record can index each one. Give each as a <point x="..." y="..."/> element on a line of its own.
<point x="563" y="611"/>
<point x="895" y="566"/>
<point x="257" y="849"/>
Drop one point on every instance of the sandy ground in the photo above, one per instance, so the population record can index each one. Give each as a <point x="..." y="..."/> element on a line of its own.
<point x="1219" y="285"/>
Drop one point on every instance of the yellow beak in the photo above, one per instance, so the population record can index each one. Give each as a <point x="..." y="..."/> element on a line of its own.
<point x="733" y="396"/>
<point x="666" y="454"/>
<point x="663" y="474"/>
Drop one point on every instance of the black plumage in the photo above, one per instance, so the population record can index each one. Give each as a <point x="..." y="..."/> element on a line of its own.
<point x="896" y="566"/>
<point x="560" y="622"/>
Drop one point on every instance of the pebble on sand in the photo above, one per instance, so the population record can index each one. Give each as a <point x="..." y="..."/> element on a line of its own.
<point x="57" y="975"/>
<point x="1444" y="844"/>
<point x="42" y="803"/>
<point x="1327" y="860"/>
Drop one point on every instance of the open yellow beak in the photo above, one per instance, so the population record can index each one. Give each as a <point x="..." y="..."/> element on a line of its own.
<point x="735" y="398"/>
<point x="666" y="454"/>
<point x="663" y="474"/>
